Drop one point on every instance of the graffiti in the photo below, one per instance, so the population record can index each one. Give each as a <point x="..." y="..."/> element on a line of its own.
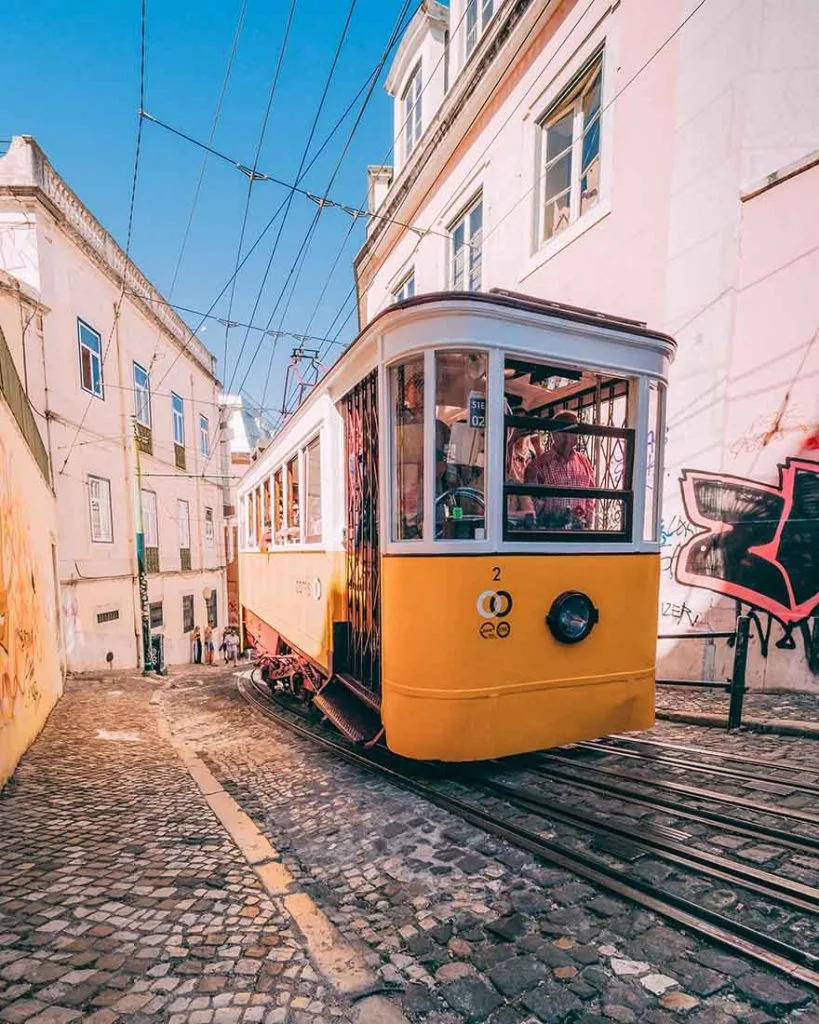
<point x="673" y="534"/>
<point x="680" y="614"/>
<point x="758" y="544"/>
<point x="23" y="613"/>
<point x="767" y="428"/>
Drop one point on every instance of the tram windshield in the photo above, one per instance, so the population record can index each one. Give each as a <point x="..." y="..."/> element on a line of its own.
<point x="460" y="445"/>
<point x="569" y="453"/>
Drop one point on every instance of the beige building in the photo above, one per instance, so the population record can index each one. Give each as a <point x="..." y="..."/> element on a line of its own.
<point x="30" y="671"/>
<point x="657" y="161"/>
<point x="118" y="384"/>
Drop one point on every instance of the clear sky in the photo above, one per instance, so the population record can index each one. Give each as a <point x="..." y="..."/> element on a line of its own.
<point x="70" y="78"/>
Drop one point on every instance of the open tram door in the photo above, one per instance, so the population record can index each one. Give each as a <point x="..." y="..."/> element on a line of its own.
<point x="352" y="698"/>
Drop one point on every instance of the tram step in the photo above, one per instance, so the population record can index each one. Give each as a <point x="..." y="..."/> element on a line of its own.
<point x="348" y="714"/>
<point x="363" y="694"/>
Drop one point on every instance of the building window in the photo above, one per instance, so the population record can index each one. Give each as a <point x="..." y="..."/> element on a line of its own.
<point x="187" y="613"/>
<point x="90" y="359"/>
<point x="142" y="396"/>
<point x="150" y="530"/>
<point x="210" y="607"/>
<point x="312" y="488"/>
<point x="155" y="610"/>
<point x="178" y="413"/>
<point x="204" y="436"/>
<point x="406" y="289"/>
<point x="411" y="110"/>
<point x="475" y="9"/>
<point x="183" y="523"/>
<point x="209" y="535"/>
<point x="571" y="153"/>
<point x="99" y="507"/>
<point x="467" y="249"/>
<point x="110" y="616"/>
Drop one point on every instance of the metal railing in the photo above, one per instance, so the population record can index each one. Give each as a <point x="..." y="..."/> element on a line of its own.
<point x="11" y="388"/>
<point x="735" y="686"/>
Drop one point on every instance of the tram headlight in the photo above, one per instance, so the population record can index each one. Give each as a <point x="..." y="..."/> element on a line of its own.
<point x="572" y="617"/>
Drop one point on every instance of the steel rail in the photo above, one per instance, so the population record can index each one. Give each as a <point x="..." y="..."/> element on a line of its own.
<point x="793" y="894"/>
<point x="674" y="787"/>
<point x="760" y="762"/>
<point x="696" y="766"/>
<point x="765" y="949"/>
<point x="739" y="826"/>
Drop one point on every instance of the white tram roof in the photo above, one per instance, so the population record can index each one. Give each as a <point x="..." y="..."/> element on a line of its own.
<point x="517" y="323"/>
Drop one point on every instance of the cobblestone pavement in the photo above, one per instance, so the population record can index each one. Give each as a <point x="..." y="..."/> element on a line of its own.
<point x="470" y="929"/>
<point x="122" y="898"/>
<point x="803" y="707"/>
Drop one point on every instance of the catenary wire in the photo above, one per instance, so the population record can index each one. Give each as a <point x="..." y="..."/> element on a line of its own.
<point x="251" y="178"/>
<point x="299" y="175"/>
<point x="331" y="134"/>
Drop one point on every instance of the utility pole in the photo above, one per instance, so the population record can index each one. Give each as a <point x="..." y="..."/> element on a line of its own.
<point x="142" y="575"/>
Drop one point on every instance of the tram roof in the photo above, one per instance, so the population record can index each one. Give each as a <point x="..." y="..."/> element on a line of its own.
<point x="493" y="298"/>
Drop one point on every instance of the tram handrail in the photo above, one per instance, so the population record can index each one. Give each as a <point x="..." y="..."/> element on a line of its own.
<point x="735" y="686"/>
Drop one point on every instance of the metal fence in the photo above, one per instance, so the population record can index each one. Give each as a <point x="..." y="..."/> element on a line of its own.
<point x="735" y="686"/>
<point x="11" y="387"/>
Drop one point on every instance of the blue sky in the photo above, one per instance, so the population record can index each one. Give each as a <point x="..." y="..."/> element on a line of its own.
<point x="70" y="76"/>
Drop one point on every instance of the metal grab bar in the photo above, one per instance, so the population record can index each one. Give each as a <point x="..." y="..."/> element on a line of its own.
<point x="735" y="686"/>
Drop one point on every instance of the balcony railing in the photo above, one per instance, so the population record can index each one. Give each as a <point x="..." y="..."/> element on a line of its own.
<point x="14" y="393"/>
<point x="152" y="560"/>
<point x="185" y="559"/>
<point x="144" y="439"/>
<point x="179" y="455"/>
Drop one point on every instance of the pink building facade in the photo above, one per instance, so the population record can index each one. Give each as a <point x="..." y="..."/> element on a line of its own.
<point x="658" y="162"/>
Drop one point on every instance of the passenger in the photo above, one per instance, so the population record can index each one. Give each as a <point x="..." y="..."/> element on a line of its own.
<point x="520" y="508"/>
<point x="562" y="465"/>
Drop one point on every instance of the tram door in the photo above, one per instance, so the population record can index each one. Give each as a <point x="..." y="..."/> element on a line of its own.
<point x="360" y="407"/>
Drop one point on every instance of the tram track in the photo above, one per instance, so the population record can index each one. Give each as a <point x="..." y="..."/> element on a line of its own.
<point x="664" y="842"/>
<point x="699" y="767"/>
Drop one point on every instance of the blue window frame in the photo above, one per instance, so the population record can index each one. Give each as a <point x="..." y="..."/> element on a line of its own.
<point x="90" y="359"/>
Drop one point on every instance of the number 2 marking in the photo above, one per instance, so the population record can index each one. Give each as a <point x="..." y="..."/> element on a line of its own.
<point x="496" y="573"/>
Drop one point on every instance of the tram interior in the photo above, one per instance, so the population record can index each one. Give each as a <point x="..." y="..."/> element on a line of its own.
<point x="584" y="444"/>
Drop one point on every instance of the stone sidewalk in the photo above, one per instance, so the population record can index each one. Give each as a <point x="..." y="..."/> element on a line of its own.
<point x="122" y="897"/>
<point x="794" y="714"/>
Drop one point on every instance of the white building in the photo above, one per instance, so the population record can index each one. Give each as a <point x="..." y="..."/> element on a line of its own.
<point x="116" y="379"/>
<point x="657" y="161"/>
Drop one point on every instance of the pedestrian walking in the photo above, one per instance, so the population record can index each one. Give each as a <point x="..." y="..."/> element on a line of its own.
<point x="208" y="644"/>
<point x="232" y="642"/>
<point x="223" y="645"/>
<point x="196" y="644"/>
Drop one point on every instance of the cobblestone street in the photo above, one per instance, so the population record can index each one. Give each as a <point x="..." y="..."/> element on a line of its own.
<point x="123" y="897"/>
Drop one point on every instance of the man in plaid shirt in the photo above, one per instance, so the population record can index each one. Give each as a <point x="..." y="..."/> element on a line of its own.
<point x="562" y="465"/>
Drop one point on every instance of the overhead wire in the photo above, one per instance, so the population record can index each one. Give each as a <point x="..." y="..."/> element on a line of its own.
<point x="299" y="175"/>
<point x="192" y="332"/>
<point x="217" y="114"/>
<point x="396" y="32"/>
<point x="131" y="207"/>
<point x="252" y="178"/>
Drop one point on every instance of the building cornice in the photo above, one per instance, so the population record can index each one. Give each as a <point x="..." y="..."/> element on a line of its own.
<point x="438" y="142"/>
<point x="46" y="187"/>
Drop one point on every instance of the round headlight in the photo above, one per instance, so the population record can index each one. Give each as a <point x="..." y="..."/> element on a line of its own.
<point x="572" y="617"/>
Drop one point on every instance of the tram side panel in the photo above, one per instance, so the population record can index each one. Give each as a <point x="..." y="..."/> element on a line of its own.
<point x="472" y="671"/>
<point x="296" y="593"/>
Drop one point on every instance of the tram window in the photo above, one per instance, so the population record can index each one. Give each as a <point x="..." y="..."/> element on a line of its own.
<point x="293" y="533"/>
<point x="312" y="468"/>
<point x="407" y="391"/>
<point x="569" y="453"/>
<point x="460" y="445"/>
<point x="267" y="528"/>
<point x="654" y="483"/>
<point x="278" y="508"/>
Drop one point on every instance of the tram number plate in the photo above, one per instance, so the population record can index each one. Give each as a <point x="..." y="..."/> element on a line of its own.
<point x="477" y="410"/>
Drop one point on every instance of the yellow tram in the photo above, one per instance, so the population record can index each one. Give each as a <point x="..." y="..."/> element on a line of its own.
<point x="453" y="544"/>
